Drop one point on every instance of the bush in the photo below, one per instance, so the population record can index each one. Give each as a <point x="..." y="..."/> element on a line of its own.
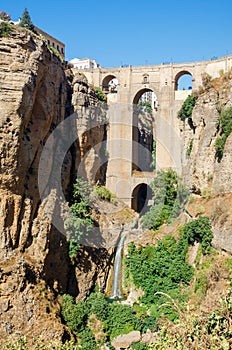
<point x="5" y="29"/>
<point x="100" y="95"/>
<point x="225" y="128"/>
<point x="103" y="193"/>
<point x="187" y="108"/>
<point x="55" y="52"/>
<point x="189" y="150"/>
<point x="80" y="221"/>
<point x="75" y="315"/>
<point x="198" y="230"/>
<point x="169" y="196"/>
<point x="160" y="269"/>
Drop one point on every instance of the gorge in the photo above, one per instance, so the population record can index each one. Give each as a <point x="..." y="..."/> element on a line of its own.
<point x="41" y="283"/>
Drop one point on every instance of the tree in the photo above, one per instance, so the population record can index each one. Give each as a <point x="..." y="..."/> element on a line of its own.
<point x="26" y="22"/>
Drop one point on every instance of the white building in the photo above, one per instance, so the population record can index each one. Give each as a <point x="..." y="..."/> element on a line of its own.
<point x="84" y="63"/>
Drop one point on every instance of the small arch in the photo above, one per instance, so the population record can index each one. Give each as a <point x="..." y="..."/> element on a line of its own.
<point x="141" y="198"/>
<point x="183" y="80"/>
<point x="110" y="84"/>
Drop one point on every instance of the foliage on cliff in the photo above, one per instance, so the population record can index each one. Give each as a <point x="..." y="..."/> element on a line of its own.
<point x="169" y="196"/>
<point x="80" y="221"/>
<point x="225" y="129"/>
<point x="26" y="22"/>
<point x="187" y="108"/>
<point x="164" y="268"/>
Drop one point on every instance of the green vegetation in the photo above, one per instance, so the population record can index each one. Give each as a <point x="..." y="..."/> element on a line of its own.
<point x="169" y="196"/>
<point x="198" y="230"/>
<point x="189" y="150"/>
<point x="80" y="221"/>
<point x="145" y="106"/>
<point x="160" y="269"/>
<point x="103" y="193"/>
<point x="5" y="29"/>
<point x="225" y="128"/>
<point x="100" y="95"/>
<point x="187" y="108"/>
<point x="26" y="22"/>
<point x="55" y="52"/>
<point x="164" y="268"/>
<point x="116" y="318"/>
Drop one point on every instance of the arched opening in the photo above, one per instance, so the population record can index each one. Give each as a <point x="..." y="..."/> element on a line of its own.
<point x="183" y="81"/>
<point x="141" y="198"/>
<point x="110" y="84"/>
<point x="144" y="104"/>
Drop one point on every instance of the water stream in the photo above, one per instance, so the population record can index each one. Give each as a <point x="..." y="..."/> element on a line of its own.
<point x="116" y="292"/>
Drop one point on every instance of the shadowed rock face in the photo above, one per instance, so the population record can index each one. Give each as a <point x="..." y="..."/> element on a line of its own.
<point x="35" y="96"/>
<point x="33" y="100"/>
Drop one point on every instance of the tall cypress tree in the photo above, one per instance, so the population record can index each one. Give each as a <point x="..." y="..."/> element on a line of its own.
<point x="26" y="21"/>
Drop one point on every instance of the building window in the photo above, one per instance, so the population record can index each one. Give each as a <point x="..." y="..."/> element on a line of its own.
<point x="62" y="50"/>
<point x="145" y="79"/>
<point x="58" y="48"/>
<point x="48" y="42"/>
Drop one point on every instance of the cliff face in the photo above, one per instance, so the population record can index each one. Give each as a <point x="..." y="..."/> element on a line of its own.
<point x="37" y="92"/>
<point x="203" y="172"/>
<point x="33" y="100"/>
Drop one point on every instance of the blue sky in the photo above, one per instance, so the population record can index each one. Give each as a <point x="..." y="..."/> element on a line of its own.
<point x="133" y="32"/>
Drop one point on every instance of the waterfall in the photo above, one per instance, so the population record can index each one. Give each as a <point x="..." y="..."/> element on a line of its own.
<point x="117" y="275"/>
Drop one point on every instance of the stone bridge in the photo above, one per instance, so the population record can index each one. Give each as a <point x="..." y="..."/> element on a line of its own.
<point x="125" y="177"/>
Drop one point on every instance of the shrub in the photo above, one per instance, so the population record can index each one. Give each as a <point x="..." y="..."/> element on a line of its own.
<point x="55" y="52"/>
<point x="225" y="128"/>
<point x="80" y="221"/>
<point x="100" y="95"/>
<point x="87" y="340"/>
<point x="5" y="29"/>
<point x="189" y="150"/>
<point x="169" y="196"/>
<point x="160" y="269"/>
<point x="145" y="106"/>
<point x="187" y="108"/>
<point x="75" y="315"/>
<point x="198" y="230"/>
<point x="103" y="193"/>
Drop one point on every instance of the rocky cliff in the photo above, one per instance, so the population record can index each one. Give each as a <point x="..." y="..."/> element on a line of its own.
<point x="37" y="92"/>
<point x="205" y="174"/>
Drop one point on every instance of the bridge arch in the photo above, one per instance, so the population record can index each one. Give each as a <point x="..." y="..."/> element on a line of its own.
<point x="141" y="198"/>
<point x="144" y="104"/>
<point x="183" y="80"/>
<point x="110" y="83"/>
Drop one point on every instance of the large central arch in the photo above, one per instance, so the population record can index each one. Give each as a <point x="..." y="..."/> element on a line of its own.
<point x="144" y="104"/>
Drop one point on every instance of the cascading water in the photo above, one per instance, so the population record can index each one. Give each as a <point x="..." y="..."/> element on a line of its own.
<point x="117" y="275"/>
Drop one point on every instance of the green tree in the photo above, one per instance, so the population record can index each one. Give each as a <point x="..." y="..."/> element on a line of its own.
<point x="187" y="108"/>
<point x="26" y="22"/>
